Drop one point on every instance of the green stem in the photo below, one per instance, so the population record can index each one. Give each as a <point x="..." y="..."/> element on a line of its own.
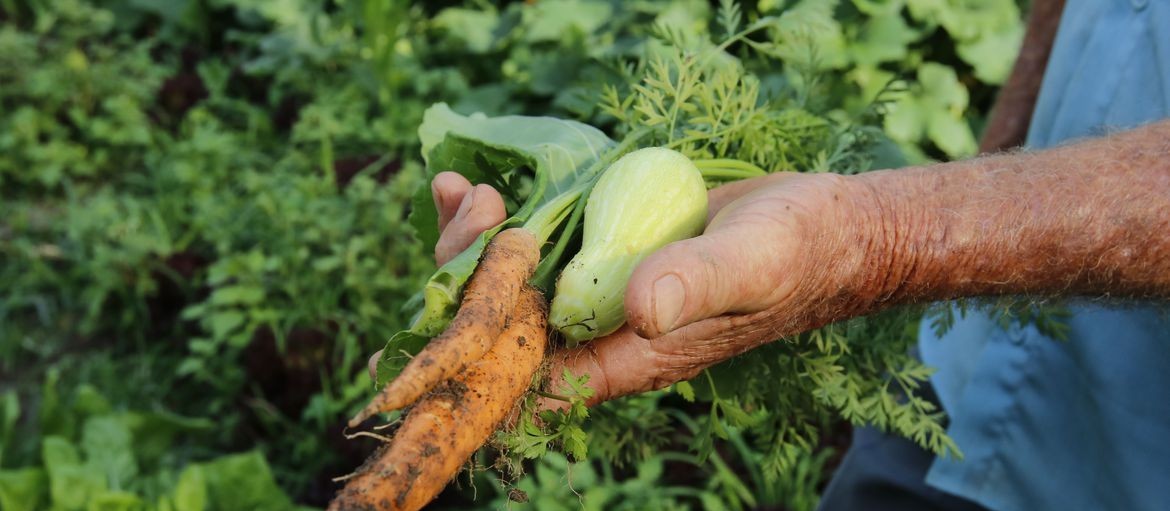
<point x="550" y="395"/>
<point x="723" y="174"/>
<point x="618" y="151"/>
<point x="729" y="163"/>
<point x="545" y="220"/>
<point x="761" y="23"/>
<point x="538" y="189"/>
<point x="711" y="382"/>
<point x="676" y="144"/>
<point x="546" y="271"/>
<point x="726" y="168"/>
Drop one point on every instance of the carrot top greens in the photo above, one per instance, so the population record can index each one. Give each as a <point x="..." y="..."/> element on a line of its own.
<point x="704" y="99"/>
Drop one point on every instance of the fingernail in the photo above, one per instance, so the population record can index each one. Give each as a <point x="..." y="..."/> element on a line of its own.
<point x="669" y="295"/>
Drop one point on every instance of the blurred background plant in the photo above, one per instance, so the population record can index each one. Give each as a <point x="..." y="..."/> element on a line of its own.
<point x="202" y="229"/>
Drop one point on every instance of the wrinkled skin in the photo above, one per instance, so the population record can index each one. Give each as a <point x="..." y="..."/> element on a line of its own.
<point x="773" y="261"/>
<point x="786" y="253"/>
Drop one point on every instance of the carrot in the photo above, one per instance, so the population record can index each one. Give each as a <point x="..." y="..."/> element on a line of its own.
<point x="491" y="294"/>
<point x="447" y="426"/>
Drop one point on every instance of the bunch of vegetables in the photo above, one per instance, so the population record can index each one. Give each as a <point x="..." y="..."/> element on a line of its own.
<point x="695" y="118"/>
<point x="187" y="229"/>
<point x="465" y="380"/>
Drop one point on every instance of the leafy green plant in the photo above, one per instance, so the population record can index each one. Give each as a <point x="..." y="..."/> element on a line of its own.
<point x="203" y="202"/>
<point x="557" y="484"/>
<point x="196" y="239"/>
<point x="93" y="456"/>
<point x="637" y="458"/>
<point x="898" y="40"/>
<point x="691" y="98"/>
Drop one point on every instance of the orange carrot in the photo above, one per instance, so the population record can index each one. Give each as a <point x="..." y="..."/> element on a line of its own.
<point x="491" y="294"/>
<point x="447" y="426"/>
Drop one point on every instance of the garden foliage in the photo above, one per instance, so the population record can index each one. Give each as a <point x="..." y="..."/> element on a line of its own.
<point x="203" y="230"/>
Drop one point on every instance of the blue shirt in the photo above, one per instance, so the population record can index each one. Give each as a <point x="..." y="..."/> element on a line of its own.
<point x="1083" y="423"/>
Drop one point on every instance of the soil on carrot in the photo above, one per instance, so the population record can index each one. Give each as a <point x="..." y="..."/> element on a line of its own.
<point x="491" y="296"/>
<point x="452" y="390"/>
<point x="439" y="435"/>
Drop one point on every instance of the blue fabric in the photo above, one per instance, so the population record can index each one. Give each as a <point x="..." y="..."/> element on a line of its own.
<point x="1082" y="424"/>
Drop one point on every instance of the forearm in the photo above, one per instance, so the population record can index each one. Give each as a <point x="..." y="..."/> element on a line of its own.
<point x="1089" y="219"/>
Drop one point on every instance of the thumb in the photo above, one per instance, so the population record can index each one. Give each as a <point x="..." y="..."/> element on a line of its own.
<point x="737" y="268"/>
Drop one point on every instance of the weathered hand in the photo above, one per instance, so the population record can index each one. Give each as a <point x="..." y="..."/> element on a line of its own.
<point x="786" y="253"/>
<point x="780" y="255"/>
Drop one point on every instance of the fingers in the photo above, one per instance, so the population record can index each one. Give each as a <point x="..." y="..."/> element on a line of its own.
<point x="733" y="268"/>
<point x="480" y="209"/>
<point x="625" y="363"/>
<point x="473" y="213"/>
<point x="448" y="190"/>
